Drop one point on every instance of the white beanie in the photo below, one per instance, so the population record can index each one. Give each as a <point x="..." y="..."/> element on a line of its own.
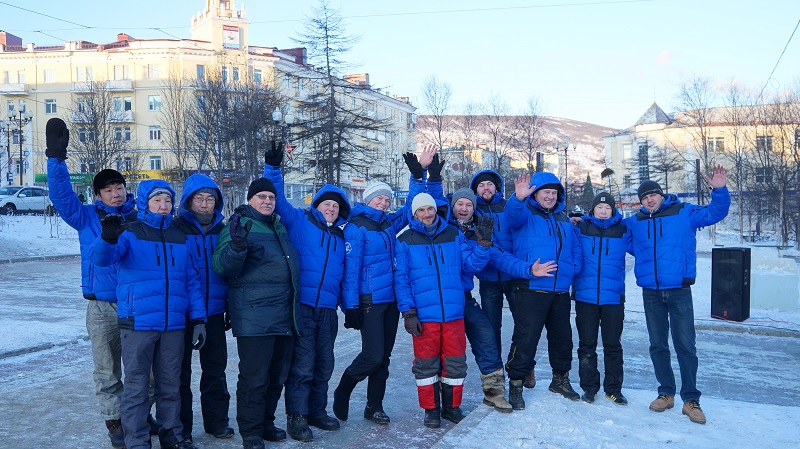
<point x="420" y="200"/>
<point x="376" y="188"/>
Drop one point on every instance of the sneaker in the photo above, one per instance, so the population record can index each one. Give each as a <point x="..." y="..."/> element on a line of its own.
<point x="376" y="414"/>
<point x="515" y="395"/>
<point x="454" y="414"/>
<point x="662" y="402"/>
<point x="617" y="398"/>
<point x="561" y="385"/>
<point x="530" y="380"/>
<point x="115" y="433"/>
<point x="588" y="396"/>
<point x="225" y="432"/>
<point x="253" y="443"/>
<point x="324" y="422"/>
<point x="694" y="412"/>
<point x="274" y="434"/>
<point x="433" y="419"/>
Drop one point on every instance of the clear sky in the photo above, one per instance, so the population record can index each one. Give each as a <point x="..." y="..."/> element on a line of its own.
<point x="602" y="62"/>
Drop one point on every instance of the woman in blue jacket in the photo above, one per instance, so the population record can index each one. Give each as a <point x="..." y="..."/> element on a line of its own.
<point x="158" y="291"/>
<point x="599" y="291"/>
<point x="316" y="233"/>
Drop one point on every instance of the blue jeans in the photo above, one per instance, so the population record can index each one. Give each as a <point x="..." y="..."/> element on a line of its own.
<point x="492" y="305"/>
<point x="481" y="337"/>
<point x="665" y="311"/>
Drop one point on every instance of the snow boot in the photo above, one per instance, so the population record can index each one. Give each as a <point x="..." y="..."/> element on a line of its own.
<point x="530" y="380"/>
<point x="515" y="395"/>
<point x="341" y="397"/>
<point x="494" y="391"/>
<point x="561" y="385"/>
<point x="450" y="411"/>
<point x="588" y="396"/>
<point x="154" y="425"/>
<point x="297" y="427"/>
<point x="274" y="434"/>
<point x="253" y="443"/>
<point x="433" y="417"/>
<point x="375" y="413"/>
<point x="115" y="433"/>
<point x="323" y="422"/>
<point x="376" y="390"/>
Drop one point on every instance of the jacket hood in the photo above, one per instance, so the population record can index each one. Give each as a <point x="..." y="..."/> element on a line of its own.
<point x="369" y="212"/>
<point x="669" y="200"/>
<point x="142" y="193"/>
<point x="195" y="183"/>
<point x="498" y="182"/>
<point x="543" y="178"/>
<point x="344" y="205"/>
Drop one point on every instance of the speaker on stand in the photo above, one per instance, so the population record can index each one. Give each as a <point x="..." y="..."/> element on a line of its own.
<point x="730" y="283"/>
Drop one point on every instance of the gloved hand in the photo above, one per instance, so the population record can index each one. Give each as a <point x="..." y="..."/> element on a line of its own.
<point x="435" y="169"/>
<point x="484" y="228"/>
<point x="239" y="233"/>
<point x="413" y="165"/>
<point x="411" y="323"/>
<point x="199" y="336"/>
<point x="112" y="228"/>
<point x="57" y="137"/>
<point x="274" y="156"/>
<point x="353" y="318"/>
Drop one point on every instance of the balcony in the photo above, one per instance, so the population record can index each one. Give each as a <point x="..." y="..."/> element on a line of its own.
<point x="82" y="117"/>
<point x="119" y="85"/>
<point x="120" y="116"/>
<point x="13" y="89"/>
<point x="82" y="87"/>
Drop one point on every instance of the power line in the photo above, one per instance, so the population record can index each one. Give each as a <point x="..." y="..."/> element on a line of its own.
<point x="777" y="62"/>
<point x="43" y="14"/>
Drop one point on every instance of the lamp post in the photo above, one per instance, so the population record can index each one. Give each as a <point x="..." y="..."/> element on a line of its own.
<point x="9" y="177"/>
<point x="565" y="147"/>
<point x="19" y="119"/>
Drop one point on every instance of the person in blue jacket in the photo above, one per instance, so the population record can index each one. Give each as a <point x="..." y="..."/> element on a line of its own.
<point x="97" y="283"/>
<point x="665" y="247"/>
<point x="599" y="292"/>
<point x="158" y="292"/>
<point x="431" y="258"/>
<point x="541" y="230"/>
<point x="200" y="218"/>
<point x="317" y="235"/>
<point x="368" y="296"/>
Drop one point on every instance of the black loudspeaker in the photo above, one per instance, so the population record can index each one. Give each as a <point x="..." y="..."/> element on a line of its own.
<point x="730" y="283"/>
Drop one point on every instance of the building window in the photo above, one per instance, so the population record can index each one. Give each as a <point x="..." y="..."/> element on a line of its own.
<point x="155" y="162"/>
<point x="201" y="71"/>
<point x="626" y="182"/>
<point x="122" y="134"/>
<point x="224" y="74"/>
<point x="9" y="107"/>
<point x="626" y="151"/>
<point x="289" y="189"/>
<point x="764" y="143"/>
<point x="123" y="164"/>
<point x="121" y="72"/>
<point x="153" y="71"/>
<point x="49" y="106"/>
<point x="236" y="73"/>
<point x="86" y="135"/>
<point x="716" y="144"/>
<point x="49" y="75"/>
<point x="155" y="133"/>
<point x="257" y="76"/>
<point x="154" y="102"/>
<point x="644" y="165"/>
<point x="287" y="81"/>
<point x="83" y="73"/>
<point x="123" y="104"/>
<point x="763" y="174"/>
<point x="11" y="77"/>
<point x="354" y="102"/>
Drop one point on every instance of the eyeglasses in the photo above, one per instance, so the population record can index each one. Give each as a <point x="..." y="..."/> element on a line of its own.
<point x="265" y="197"/>
<point x="209" y="200"/>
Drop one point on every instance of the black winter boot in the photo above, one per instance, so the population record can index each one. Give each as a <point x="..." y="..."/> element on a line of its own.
<point x="253" y="443"/>
<point x="515" y="394"/>
<point x="297" y="427"/>
<point x="323" y="422"/>
<point x="588" y="396"/>
<point x="274" y="434"/>
<point x="341" y="396"/>
<point x="450" y="411"/>
<point x="561" y="385"/>
<point x="375" y="413"/>
<point x="433" y="418"/>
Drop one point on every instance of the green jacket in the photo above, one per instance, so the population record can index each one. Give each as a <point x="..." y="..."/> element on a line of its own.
<point x="262" y="280"/>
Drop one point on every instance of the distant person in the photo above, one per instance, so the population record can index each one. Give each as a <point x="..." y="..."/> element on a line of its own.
<point x="159" y="292"/>
<point x="81" y="198"/>
<point x="97" y="283"/>
<point x="262" y="268"/>
<point x="200" y="218"/>
<point x="665" y="247"/>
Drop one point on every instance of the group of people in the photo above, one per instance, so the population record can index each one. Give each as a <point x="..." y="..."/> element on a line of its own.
<point x="161" y="283"/>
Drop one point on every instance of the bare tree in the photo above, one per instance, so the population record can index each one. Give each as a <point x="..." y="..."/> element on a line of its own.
<point x="435" y="125"/>
<point x="498" y="126"/>
<point x="530" y="133"/>
<point x="176" y="102"/>
<point x="696" y="99"/>
<point x="663" y="161"/>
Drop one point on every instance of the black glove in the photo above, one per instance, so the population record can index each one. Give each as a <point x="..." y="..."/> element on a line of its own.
<point x="227" y="321"/>
<point x="435" y="169"/>
<point x="274" y="156"/>
<point x="413" y="165"/>
<point x="199" y="336"/>
<point x="239" y="233"/>
<point x="411" y="323"/>
<point x="57" y="136"/>
<point x="484" y="227"/>
<point x="112" y="228"/>
<point x="353" y="318"/>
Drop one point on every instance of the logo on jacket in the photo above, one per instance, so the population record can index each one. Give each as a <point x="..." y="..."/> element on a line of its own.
<point x="347" y="247"/>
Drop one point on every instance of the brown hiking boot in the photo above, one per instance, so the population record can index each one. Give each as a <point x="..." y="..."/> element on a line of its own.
<point x="530" y="380"/>
<point x="115" y="433"/>
<point x="662" y="402"/>
<point x="694" y="412"/>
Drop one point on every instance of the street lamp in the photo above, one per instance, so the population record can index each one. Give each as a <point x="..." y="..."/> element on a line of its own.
<point x="19" y="119"/>
<point x="10" y="177"/>
<point x="285" y="125"/>
<point x="565" y="146"/>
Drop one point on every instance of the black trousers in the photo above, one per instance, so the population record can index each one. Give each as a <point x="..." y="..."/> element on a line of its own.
<point x="263" y="369"/>
<point x="214" y="396"/>
<point x="608" y="319"/>
<point x="533" y="311"/>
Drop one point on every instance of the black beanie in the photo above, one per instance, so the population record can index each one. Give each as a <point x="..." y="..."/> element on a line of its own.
<point x="648" y="187"/>
<point x="260" y="185"/>
<point x="603" y="197"/>
<point x="486" y="176"/>
<point x="551" y="186"/>
<point x="344" y="208"/>
<point x="106" y="177"/>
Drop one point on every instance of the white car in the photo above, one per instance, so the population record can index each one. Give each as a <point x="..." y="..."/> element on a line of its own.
<point x="25" y="199"/>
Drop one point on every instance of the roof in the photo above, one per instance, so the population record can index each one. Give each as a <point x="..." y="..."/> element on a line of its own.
<point x="654" y="115"/>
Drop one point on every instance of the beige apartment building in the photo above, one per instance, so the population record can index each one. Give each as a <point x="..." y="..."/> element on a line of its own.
<point x="54" y="81"/>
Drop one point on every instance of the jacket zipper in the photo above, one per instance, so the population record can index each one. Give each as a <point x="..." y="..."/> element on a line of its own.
<point x="166" y="273"/>
<point x="655" y="241"/>
<point x="599" y="264"/>
<point x="438" y="280"/>
<point x="324" y="267"/>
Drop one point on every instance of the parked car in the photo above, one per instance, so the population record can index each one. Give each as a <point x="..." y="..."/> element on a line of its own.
<point x="25" y="199"/>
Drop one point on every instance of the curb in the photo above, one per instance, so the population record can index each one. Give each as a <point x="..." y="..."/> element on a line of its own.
<point x="39" y="258"/>
<point x="41" y="347"/>
<point x="748" y="329"/>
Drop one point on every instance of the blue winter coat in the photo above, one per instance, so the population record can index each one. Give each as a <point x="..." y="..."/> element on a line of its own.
<point x="157" y="286"/>
<point x="96" y="282"/>
<point x="202" y="244"/>
<point x="320" y="247"/>
<point x="429" y="271"/>
<point x="605" y="242"/>
<point x="502" y="232"/>
<point x="545" y="234"/>
<point x="370" y="237"/>
<point x="665" y="243"/>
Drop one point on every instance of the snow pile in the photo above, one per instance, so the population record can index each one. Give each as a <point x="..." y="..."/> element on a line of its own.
<point x="23" y="236"/>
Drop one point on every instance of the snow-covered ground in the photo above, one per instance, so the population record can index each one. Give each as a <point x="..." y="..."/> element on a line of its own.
<point x="32" y="236"/>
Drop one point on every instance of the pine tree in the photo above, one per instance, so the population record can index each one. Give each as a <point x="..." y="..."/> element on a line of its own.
<point x="588" y="193"/>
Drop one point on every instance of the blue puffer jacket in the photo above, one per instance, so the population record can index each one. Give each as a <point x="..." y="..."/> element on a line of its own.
<point x="202" y="244"/>
<point x="320" y="247"/>
<point x="605" y="242"/>
<point x="665" y="243"/>
<point x="429" y="271"/>
<point x="545" y="234"/>
<point x="502" y="232"/>
<point x="157" y="285"/>
<point x="371" y="239"/>
<point x="96" y="282"/>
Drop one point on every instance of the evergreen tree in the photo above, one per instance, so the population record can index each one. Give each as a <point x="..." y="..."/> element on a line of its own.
<point x="588" y="193"/>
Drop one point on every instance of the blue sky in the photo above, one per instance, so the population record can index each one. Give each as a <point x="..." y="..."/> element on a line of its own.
<point x="602" y="62"/>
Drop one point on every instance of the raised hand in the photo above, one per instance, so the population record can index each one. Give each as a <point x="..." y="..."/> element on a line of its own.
<point x="543" y="269"/>
<point x="57" y="137"/>
<point x="484" y="228"/>
<point x="111" y="228"/>
<point x="413" y="165"/>
<point x="435" y="169"/>
<point x="239" y="233"/>
<point x="274" y="156"/>
<point x="719" y="178"/>
<point x="426" y="157"/>
<point x="522" y="187"/>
